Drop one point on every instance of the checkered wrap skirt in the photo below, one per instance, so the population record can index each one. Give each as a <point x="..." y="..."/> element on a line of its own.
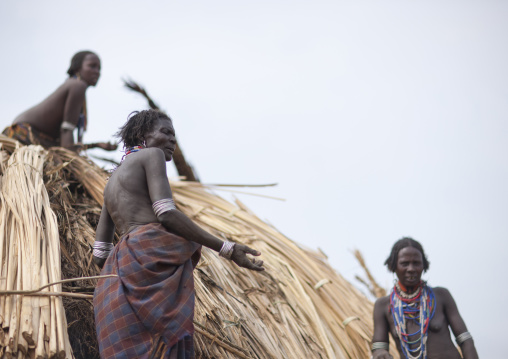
<point x="152" y="300"/>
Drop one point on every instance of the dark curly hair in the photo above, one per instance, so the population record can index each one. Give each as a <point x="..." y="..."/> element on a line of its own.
<point x="77" y="61"/>
<point x="138" y="124"/>
<point x="391" y="261"/>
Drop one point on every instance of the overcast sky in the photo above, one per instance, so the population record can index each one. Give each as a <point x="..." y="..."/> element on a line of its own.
<point x="378" y="119"/>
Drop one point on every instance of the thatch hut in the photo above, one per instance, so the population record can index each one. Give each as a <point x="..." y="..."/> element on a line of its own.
<point x="300" y="307"/>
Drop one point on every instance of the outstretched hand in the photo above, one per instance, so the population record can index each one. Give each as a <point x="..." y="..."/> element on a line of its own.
<point x="239" y="256"/>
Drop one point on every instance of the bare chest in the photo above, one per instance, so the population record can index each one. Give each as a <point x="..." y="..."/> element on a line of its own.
<point x="409" y="327"/>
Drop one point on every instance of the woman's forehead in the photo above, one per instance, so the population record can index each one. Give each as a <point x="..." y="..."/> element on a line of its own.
<point x="91" y="57"/>
<point x="164" y="121"/>
<point x="409" y="252"/>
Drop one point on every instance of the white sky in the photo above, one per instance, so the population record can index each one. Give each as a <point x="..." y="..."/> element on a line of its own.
<point x="377" y="119"/>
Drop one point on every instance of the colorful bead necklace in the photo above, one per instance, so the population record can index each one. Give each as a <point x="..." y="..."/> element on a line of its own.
<point x="402" y="291"/>
<point x="417" y="307"/>
<point x="130" y="150"/>
<point x="133" y="149"/>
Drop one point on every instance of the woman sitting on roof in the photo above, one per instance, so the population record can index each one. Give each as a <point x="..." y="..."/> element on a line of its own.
<point x="152" y="299"/>
<point x="51" y="122"/>
<point x="416" y="315"/>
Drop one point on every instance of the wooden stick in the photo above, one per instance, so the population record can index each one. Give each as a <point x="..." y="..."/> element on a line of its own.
<point x="34" y="291"/>
<point x="53" y="294"/>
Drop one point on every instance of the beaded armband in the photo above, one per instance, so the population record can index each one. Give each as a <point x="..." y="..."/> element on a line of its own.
<point x="226" y="250"/>
<point x="461" y="338"/>
<point x="163" y="205"/>
<point x="102" y="249"/>
<point x="380" y="345"/>
<point x="67" y="126"/>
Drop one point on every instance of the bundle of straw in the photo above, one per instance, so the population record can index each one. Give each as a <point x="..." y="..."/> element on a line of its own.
<point x="300" y="307"/>
<point x="32" y="325"/>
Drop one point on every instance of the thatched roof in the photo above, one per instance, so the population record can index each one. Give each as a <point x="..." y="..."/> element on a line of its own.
<point x="300" y="307"/>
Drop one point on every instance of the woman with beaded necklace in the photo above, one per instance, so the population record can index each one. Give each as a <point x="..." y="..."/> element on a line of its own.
<point x="151" y="298"/>
<point x="416" y="315"/>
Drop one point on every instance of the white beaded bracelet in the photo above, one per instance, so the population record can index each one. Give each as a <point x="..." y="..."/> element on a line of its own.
<point x="226" y="250"/>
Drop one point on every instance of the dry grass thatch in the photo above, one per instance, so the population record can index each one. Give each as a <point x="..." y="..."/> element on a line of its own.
<point x="300" y="307"/>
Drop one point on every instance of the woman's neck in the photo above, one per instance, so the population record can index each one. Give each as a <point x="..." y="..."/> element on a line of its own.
<point x="409" y="290"/>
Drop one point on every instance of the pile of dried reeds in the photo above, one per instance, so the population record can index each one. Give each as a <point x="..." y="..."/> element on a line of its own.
<point x="33" y="325"/>
<point x="300" y="307"/>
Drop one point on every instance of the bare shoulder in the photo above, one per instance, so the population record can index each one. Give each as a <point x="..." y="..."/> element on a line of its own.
<point x="442" y="291"/>
<point x="383" y="300"/>
<point x="442" y="294"/>
<point x="151" y="153"/>
<point x="74" y="85"/>
<point x="146" y="158"/>
<point x="73" y="82"/>
<point x="382" y="303"/>
<point x="151" y="159"/>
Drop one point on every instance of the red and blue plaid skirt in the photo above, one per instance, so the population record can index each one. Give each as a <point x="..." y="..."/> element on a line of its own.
<point x="152" y="300"/>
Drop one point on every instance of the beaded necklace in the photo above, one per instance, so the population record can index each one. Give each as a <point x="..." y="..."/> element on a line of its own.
<point x="130" y="150"/>
<point x="418" y="307"/>
<point x="402" y="291"/>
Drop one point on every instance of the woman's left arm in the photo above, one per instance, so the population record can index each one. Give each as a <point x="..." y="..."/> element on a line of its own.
<point x="457" y="323"/>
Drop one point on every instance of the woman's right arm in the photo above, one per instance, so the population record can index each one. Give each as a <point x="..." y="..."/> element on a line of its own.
<point x="381" y="329"/>
<point x="179" y="224"/>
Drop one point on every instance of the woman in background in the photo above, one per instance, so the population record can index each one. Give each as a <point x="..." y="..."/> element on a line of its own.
<point x="52" y="122"/>
<point x="417" y="315"/>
